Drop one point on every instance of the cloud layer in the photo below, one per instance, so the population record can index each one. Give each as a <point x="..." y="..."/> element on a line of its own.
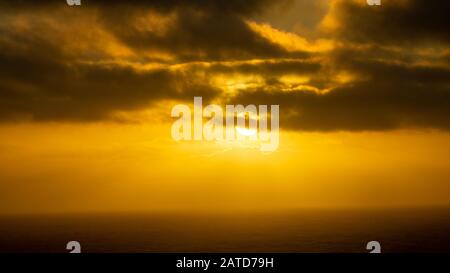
<point x="367" y="68"/>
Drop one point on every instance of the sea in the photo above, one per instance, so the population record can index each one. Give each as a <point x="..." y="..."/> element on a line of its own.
<point x="293" y="231"/>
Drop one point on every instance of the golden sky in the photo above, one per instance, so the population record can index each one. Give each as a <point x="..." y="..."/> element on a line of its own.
<point x="86" y="94"/>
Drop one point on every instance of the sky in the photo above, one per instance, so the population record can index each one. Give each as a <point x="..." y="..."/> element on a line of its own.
<point x="86" y="94"/>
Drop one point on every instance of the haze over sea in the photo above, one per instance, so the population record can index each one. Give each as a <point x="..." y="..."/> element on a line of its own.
<point x="313" y="230"/>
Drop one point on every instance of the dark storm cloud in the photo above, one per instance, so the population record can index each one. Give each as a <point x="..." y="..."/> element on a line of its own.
<point x="393" y="83"/>
<point x="392" y="67"/>
<point x="236" y="6"/>
<point x="211" y="36"/>
<point x="42" y="87"/>
<point x="395" y="96"/>
<point x="40" y="80"/>
<point x="224" y="6"/>
<point x="398" y="84"/>
<point x="202" y="30"/>
<point x="394" y="22"/>
<point x="207" y="30"/>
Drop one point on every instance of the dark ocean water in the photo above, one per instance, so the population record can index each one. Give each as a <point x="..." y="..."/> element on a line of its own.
<point x="400" y="230"/>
